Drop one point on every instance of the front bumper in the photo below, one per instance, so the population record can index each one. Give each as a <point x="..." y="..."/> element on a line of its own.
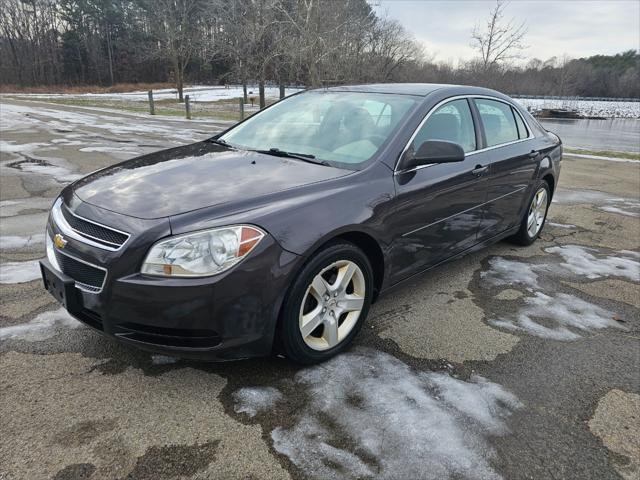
<point x="227" y="316"/>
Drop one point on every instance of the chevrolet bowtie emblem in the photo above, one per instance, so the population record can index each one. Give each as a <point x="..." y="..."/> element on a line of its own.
<point x="59" y="241"/>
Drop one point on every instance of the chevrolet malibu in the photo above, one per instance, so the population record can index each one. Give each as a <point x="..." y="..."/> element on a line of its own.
<point x="278" y="234"/>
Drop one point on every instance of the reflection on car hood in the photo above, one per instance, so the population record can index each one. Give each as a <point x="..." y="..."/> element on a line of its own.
<point x="187" y="178"/>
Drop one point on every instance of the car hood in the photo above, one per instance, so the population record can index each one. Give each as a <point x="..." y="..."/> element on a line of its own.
<point x="179" y="180"/>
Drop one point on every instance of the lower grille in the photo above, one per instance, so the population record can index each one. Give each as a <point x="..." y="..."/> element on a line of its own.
<point x="87" y="277"/>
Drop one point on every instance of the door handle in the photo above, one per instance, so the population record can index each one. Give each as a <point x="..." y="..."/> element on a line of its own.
<point x="533" y="154"/>
<point x="479" y="170"/>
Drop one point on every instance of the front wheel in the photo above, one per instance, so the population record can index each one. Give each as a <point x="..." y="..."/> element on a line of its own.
<point x="535" y="216"/>
<point x="327" y="304"/>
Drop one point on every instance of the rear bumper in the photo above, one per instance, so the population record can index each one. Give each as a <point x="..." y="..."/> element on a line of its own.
<point x="228" y="316"/>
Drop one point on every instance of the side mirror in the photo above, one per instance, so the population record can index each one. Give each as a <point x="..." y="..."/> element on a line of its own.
<point x="433" y="151"/>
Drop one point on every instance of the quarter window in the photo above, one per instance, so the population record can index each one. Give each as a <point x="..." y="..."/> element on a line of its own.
<point x="522" y="129"/>
<point x="451" y="122"/>
<point x="498" y="120"/>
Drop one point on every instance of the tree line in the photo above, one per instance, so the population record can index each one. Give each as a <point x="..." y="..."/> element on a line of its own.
<point x="294" y="42"/>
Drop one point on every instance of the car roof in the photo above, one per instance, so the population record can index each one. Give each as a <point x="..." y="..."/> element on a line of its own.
<point x="416" y="89"/>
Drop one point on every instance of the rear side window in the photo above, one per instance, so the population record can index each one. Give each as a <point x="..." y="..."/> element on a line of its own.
<point x="522" y="128"/>
<point x="451" y="122"/>
<point x="498" y="120"/>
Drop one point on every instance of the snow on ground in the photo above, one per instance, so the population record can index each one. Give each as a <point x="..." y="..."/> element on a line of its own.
<point x="599" y="157"/>
<point x="19" y="272"/>
<point x="589" y="263"/>
<point x="394" y="422"/>
<point x="548" y="313"/>
<point x="603" y="201"/>
<point x="251" y="400"/>
<point x="567" y="312"/>
<point x="509" y="272"/>
<point x="560" y="225"/>
<point x="202" y="93"/>
<point x="163" y="360"/>
<point x="44" y="326"/>
<point x="15" y="242"/>
<point x="57" y="121"/>
<point x="593" y="108"/>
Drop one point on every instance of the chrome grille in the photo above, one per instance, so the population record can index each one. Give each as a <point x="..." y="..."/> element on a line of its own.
<point x="87" y="231"/>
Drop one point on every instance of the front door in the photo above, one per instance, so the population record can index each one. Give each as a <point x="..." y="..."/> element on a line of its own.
<point x="437" y="213"/>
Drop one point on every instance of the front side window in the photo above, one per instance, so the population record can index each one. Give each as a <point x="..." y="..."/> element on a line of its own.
<point x="451" y="122"/>
<point x="345" y="129"/>
<point x="498" y="120"/>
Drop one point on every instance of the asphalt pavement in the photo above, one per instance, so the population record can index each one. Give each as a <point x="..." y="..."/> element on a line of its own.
<point x="512" y="362"/>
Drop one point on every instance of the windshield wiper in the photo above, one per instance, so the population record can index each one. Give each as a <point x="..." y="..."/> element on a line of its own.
<point x="218" y="141"/>
<point x="305" y="157"/>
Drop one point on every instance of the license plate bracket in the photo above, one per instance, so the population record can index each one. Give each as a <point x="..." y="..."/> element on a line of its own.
<point x="61" y="287"/>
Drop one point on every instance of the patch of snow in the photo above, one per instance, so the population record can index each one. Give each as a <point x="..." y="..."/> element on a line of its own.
<point x="598" y="157"/>
<point x="11" y="208"/>
<point x="251" y="400"/>
<point x="562" y="314"/>
<point x="12" y="147"/>
<point x="163" y="360"/>
<point x="587" y="262"/>
<point x="200" y="93"/>
<point x="61" y="174"/>
<point x="57" y="121"/>
<point x="124" y="150"/>
<point x="509" y="272"/>
<point x="393" y="422"/>
<point x="601" y="200"/>
<point x="43" y="326"/>
<point x="592" y="108"/>
<point x="14" y="242"/>
<point x="560" y="225"/>
<point x="19" y="272"/>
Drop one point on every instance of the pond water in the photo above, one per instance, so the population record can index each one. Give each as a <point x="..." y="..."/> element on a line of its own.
<point x="617" y="134"/>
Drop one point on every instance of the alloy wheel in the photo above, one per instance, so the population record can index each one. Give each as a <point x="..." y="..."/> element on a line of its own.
<point x="537" y="212"/>
<point x="332" y="305"/>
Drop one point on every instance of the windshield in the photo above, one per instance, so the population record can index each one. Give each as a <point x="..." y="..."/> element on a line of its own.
<point x="342" y="128"/>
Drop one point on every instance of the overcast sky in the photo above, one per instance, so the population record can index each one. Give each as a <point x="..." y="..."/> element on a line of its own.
<point x="577" y="28"/>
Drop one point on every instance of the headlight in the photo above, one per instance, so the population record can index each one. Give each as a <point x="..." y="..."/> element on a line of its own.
<point x="203" y="253"/>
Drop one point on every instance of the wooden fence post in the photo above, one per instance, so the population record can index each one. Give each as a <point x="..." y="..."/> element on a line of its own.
<point x="187" y="107"/>
<point x="241" y="101"/>
<point x="152" y="108"/>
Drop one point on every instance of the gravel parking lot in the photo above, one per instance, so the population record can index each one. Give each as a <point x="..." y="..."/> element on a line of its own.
<point x="512" y="362"/>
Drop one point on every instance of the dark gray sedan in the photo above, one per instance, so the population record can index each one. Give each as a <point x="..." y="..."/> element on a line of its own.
<point x="278" y="234"/>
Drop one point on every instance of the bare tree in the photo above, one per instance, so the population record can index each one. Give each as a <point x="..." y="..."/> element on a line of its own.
<point x="179" y="31"/>
<point x="498" y="41"/>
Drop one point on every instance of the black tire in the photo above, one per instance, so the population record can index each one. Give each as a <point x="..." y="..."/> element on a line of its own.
<point x="291" y="338"/>
<point x="524" y="237"/>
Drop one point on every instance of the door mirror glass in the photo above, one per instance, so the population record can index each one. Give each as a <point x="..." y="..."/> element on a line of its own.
<point x="439" y="151"/>
<point x="433" y="151"/>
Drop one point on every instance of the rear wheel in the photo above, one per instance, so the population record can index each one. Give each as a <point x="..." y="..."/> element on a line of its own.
<point x="327" y="304"/>
<point x="535" y="216"/>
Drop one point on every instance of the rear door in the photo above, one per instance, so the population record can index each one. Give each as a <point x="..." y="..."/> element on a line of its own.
<point x="512" y="165"/>
<point x="438" y="212"/>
